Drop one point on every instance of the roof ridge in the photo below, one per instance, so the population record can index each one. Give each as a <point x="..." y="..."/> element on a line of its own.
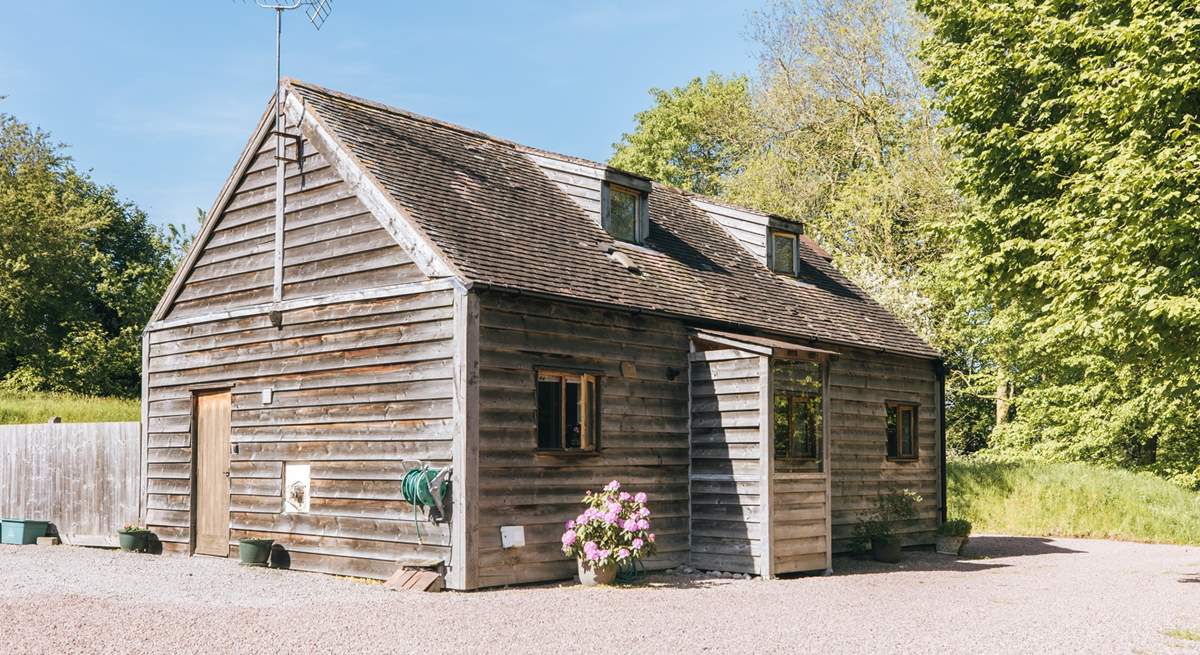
<point x="348" y="97"/>
<point x="521" y="147"/>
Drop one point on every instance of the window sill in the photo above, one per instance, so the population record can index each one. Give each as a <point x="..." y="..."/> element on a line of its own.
<point x="904" y="460"/>
<point x="548" y="453"/>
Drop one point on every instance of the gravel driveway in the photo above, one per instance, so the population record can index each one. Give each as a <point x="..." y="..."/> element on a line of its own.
<point x="1008" y="594"/>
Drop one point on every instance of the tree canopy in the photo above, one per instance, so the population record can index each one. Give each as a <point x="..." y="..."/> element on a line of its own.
<point x="80" y="272"/>
<point x="1021" y="190"/>
<point x="1076" y="124"/>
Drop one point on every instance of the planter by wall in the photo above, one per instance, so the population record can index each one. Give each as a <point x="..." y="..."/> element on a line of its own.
<point x="590" y="576"/>
<point x="134" y="542"/>
<point x="21" y="532"/>
<point x="885" y="549"/>
<point x="254" y="552"/>
<point x="950" y="545"/>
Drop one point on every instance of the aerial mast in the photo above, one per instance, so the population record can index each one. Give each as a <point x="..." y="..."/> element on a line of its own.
<point x="317" y="11"/>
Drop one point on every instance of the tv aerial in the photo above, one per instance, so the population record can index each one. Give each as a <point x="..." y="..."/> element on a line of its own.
<point x="317" y="11"/>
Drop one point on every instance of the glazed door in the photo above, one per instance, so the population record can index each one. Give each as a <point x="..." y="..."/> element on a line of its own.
<point x="212" y="474"/>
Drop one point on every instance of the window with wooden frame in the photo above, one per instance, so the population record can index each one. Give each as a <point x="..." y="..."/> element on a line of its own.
<point x="901" y="431"/>
<point x="568" y="416"/>
<point x="784" y="252"/>
<point x="623" y="212"/>
<point x="796" y="412"/>
<point x="797" y="421"/>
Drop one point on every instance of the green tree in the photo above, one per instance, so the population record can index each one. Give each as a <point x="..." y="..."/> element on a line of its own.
<point x="839" y="131"/>
<point x="692" y="136"/>
<point x="1076" y="124"/>
<point x="80" y="272"/>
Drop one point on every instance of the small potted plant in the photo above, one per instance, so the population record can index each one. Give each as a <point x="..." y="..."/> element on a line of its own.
<point x="877" y="527"/>
<point x="253" y="551"/>
<point x="134" y="538"/>
<point x="613" y="531"/>
<point x="952" y="536"/>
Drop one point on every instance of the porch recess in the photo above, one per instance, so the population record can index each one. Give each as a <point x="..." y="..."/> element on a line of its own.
<point x="757" y="505"/>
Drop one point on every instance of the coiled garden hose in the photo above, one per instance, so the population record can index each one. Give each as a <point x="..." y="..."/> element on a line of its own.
<point x="417" y="490"/>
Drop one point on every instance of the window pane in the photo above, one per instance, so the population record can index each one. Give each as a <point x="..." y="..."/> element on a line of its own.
<point x="592" y="413"/>
<point x="782" y="420"/>
<point x="573" y="408"/>
<point x="813" y="425"/>
<point x="549" y="407"/>
<point x="891" y="432"/>
<point x="907" y="431"/>
<point x="622" y="214"/>
<point x="783" y="254"/>
<point x="799" y="427"/>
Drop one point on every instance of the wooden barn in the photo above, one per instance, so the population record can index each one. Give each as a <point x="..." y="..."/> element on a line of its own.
<point x="539" y="323"/>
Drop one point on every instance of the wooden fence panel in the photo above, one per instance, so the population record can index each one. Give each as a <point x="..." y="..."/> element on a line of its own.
<point x="82" y="477"/>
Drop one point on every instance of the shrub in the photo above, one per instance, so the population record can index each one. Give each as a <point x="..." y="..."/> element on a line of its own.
<point x="890" y="508"/>
<point x="955" y="528"/>
<point x="133" y="528"/>
<point x="615" y="528"/>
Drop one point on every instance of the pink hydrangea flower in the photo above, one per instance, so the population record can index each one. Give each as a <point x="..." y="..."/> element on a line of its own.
<point x="568" y="537"/>
<point x="624" y="496"/>
<point x="645" y="511"/>
<point x="612" y="486"/>
<point x="640" y="497"/>
<point x="630" y="525"/>
<point x="571" y="524"/>
<point x="643" y="524"/>
<point x="614" y="507"/>
<point x="623" y="553"/>
<point x="650" y="537"/>
<point x="602" y="553"/>
<point x="638" y="543"/>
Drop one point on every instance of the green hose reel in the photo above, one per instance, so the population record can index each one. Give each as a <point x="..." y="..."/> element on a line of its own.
<point x="425" y="488"/>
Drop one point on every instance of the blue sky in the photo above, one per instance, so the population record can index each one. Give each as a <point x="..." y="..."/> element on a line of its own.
<point x="158" y="97"/>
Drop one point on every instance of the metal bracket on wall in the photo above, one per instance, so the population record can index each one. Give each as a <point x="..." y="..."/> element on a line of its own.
<point x="297" y="140"/>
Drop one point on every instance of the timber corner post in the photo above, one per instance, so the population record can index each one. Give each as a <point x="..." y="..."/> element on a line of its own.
<point x="464" y="547"/>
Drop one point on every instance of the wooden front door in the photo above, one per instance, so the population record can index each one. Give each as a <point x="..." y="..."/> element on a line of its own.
<point x="212" y="474"/>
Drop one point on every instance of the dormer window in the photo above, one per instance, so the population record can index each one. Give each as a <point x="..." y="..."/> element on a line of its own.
<point x="623" y="212"/>
<point x="784" y="253"/>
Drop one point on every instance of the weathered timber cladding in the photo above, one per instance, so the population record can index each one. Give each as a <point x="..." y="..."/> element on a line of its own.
<point x="643" y="434"/>
<point x="332" y="242"/>
<point x="727" y="525"/>
<point x="798" y="529"/>
<point x="358" y="386"/>
<point x="860" y="384"/>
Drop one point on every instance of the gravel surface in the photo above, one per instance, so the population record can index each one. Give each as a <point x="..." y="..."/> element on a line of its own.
<point x="1006" y="595"/>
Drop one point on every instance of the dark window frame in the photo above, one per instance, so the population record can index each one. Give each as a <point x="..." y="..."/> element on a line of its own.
<point x="641" y="226"/>
<point x="893" y="442"/>
<point x="816" y="427"/>
<point x="589" y="403"/>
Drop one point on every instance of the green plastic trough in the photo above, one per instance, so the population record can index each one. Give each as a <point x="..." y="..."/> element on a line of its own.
<point x="21" y="532"/>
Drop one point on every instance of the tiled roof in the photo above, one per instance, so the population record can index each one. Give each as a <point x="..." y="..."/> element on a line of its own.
<point x="503" y="223"/>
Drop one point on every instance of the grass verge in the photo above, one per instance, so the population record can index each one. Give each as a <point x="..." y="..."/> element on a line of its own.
<point x="1072" y="500"/>
<point x="39" y="407"/>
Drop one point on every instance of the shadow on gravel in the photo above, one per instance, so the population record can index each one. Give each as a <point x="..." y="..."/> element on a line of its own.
<point x="913" y="561"/>
<point x="998" y="546"/>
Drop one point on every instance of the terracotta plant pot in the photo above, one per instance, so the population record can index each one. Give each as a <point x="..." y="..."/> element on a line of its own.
<point x="950" y="545"/>
<point x="885" y="549"/>
<point x="590" y="576"/>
